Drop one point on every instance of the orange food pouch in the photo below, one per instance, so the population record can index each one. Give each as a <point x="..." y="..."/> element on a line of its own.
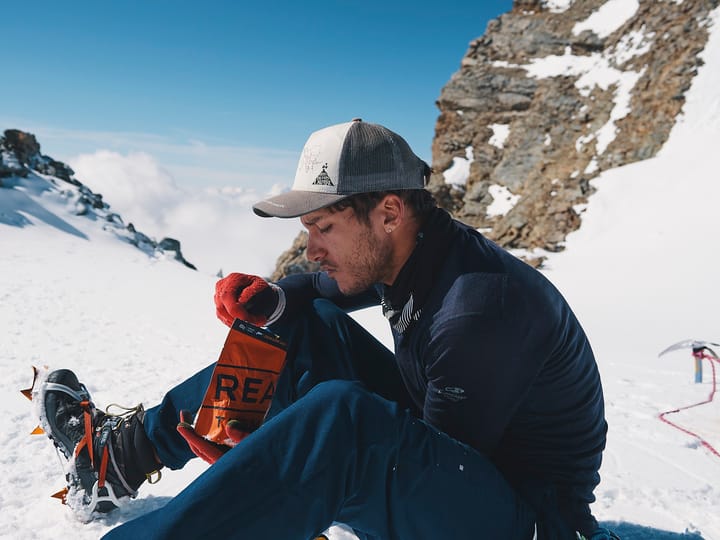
<point x="243" y="382"/>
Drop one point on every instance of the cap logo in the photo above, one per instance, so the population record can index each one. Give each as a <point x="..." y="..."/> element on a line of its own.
<point x="323" y="179"/>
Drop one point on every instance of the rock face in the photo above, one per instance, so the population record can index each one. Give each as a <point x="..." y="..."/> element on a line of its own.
<point x="23" y="166"/>
<point x="293" y="261"/>
<point x="550" y="97"/>
<point x="555" y="92"/>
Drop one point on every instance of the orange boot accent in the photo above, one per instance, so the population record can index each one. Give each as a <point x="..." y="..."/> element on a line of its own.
<point x="28" y="391"/>
<point x="87" y="440"/>
<point x="103" y="468"/>
<point x="62" y="495"/>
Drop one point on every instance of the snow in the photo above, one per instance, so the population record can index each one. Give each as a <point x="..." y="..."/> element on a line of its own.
<point x="632" y="44"/>
<point x="503" y="200"/>
<point x="641" y="274"/>
<point x="608" y="18"/>
<point x="500" y="134"/>
<point x="459" y="170"/>
<point x="557" y="6"/>
<point x="592" y="166"/>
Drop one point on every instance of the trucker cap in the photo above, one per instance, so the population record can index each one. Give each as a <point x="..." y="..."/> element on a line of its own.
<point x="343" y="160"/>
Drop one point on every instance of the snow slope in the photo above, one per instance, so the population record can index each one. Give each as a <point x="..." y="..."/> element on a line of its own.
<point x="641" y="273"/>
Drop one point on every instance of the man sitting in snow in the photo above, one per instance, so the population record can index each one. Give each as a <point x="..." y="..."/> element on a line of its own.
<point x="486" y="422"/>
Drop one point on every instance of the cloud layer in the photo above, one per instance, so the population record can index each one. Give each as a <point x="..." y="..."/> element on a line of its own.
<point x="215" y="225"/>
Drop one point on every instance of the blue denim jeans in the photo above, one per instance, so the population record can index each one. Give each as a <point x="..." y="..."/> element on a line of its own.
<point x="341" y="443"/>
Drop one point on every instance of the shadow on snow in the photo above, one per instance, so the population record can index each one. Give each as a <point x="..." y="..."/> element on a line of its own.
<point x="632" y="531"/>
<point x="14" y="202"/>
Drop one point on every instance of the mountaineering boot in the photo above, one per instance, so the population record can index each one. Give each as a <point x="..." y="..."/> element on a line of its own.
<point x="106" y="456"/>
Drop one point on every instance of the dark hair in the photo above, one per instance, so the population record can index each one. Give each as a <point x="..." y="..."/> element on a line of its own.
<point x="420" y="201"/>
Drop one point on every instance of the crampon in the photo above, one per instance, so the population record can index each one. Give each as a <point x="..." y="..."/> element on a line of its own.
<point x="105" y="456"/>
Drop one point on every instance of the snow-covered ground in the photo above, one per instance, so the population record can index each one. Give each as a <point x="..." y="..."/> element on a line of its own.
<point x="641" y="274"/>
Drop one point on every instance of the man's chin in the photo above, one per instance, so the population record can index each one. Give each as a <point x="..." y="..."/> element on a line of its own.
<point x="348" y="289"/>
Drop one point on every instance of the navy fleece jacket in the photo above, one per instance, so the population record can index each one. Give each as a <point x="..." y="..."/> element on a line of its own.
<point x="498" y="361"/>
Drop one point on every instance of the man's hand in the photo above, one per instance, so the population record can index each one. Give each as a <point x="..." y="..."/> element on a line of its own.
<point x="241" y="296"/>
<point x="201" y="447"/>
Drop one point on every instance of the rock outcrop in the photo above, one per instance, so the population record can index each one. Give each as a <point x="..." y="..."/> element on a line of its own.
<point x="554" y="93"/>
<point x="550" y="97"/>
<point x="293" y="260"/>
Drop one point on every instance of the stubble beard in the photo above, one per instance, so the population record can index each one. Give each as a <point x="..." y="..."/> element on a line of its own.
<point x="368" y="263"/>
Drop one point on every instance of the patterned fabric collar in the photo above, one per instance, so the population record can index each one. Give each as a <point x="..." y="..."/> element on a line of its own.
<point x="402" y="319"/>
<point x="402" y="302"/>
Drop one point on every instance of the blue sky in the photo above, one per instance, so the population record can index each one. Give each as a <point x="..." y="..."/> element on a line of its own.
<point x="225" y="93"/>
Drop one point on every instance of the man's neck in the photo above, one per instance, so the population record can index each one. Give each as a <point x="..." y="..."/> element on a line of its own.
<point x="404" y="245"/>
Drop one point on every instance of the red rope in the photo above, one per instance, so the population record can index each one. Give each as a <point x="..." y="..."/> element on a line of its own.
<point x="700" y="355"/>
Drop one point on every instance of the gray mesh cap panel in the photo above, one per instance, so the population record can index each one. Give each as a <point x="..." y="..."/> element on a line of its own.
<point x="374" y="158"/>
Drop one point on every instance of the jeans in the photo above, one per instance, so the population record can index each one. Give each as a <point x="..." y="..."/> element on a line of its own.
<point x="341" y="443"/>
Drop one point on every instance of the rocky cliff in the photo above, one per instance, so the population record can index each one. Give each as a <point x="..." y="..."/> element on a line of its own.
<point x="554" y="93"/>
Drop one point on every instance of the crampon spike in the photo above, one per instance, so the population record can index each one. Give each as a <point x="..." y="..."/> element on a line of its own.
<point x="62" y="495"/>
<point x="28" y="391"/>
<point x="38" y="431"/>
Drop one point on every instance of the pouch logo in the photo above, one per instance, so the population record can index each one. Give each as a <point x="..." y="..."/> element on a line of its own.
<point x="323" y="179"/>
<point x="453" y="393"/>
<point x="249" y="390"/>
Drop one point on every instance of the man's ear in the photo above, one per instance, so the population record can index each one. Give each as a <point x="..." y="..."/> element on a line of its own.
<point x="393" y="212"/>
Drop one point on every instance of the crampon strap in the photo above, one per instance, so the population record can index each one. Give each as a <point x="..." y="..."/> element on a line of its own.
<point x="86" y="441"/>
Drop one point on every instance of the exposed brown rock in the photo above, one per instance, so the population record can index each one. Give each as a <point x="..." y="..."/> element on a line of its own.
<point x="293" y="260"/>
<point x="541" y="160"/>
<point x="24" y="144"/>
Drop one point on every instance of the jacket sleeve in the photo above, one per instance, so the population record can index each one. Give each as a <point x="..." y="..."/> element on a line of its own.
<point x="301" y="289"/>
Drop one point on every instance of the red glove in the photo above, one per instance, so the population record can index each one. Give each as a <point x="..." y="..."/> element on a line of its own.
<point x="207" y="450"/>
<point x="241" y="296"/>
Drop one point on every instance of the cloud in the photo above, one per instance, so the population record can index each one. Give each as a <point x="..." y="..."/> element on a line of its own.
<point x="215" y="225"/>
<point x="135" y="185"/>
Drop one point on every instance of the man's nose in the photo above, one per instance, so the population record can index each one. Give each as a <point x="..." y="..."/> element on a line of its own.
<point x="314" y="251"/>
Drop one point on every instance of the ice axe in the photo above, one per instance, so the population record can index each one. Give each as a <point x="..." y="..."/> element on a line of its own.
<point x="699" y="349"/>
